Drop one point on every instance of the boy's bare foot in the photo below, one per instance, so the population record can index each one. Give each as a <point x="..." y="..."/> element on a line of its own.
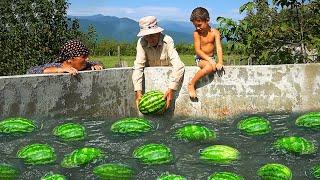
<point x="192" y="91"/>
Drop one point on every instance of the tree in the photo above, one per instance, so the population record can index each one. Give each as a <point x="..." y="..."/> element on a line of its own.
<point x="270" y="34"/>
<point x="31" y="33"/>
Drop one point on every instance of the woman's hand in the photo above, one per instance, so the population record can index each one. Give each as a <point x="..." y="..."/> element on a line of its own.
<point x="96" y="67"/>
<point x="68" y="69"/>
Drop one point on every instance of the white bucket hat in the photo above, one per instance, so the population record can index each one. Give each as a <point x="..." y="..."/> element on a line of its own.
<point x="148" y="25"/>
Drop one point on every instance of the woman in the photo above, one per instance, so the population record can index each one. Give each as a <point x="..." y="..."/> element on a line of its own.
<point x="73" y="57"/>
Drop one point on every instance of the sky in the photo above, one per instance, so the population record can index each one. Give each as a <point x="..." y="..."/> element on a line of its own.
<point x="174" y="10"/>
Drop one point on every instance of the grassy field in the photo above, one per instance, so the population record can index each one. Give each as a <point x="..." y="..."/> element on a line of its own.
<point x="113" y="61"/>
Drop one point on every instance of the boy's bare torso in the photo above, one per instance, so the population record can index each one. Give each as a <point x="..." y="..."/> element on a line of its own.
<point x="207" y="41"/>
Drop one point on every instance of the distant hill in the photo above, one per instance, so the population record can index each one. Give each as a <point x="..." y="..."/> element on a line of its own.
<point x="126" y="30"/>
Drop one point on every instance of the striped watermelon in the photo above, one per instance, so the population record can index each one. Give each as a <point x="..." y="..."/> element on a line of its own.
<point x="114" y="171"/>
<point x="81" y="156"/>
<point x="275" y="171"/>
<point x="37" y="154"/>
<point x="131" y="126"/>
<point x="219" y="154"/>
<point x="8" y="172"/>
<point x="294" y="144"/>
<point x="225" y="176"/>
<point x="16" y="126"/>
<point x="51" y="176"/>
<point x="70" y="132"/>
<point x="167" y="176"/>
<point x="153" y="154"/>
<point x="254" y="126"/>
<point x="152" y="103"/>
<point x="309" y="120"/>
<point x="195" y="133"/>
<point x="316" y="171"/>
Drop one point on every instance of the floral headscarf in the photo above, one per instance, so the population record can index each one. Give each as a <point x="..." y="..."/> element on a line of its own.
<point x="71" y="49"/>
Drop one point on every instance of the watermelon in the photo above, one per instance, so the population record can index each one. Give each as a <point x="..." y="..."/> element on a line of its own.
<point x="309" y="120"/>
<point x="35" y="154"/>
<point x="219" y="154"/>
<point x="275" y="171"/>
<point x="152" y="103"/>
<point x="195" y="133"/>
<point x="131" y="126"/>
<point x="114" y="171"/>
<point x="70" y="132"/>
<point x="225" y="176"/>
<point x="316" y="171"/>
<point x="298" y="145"/>
<point x="81" y="156"/>
<point x="167" y="176"/>
<point x="51" y="176"/>
<point x="8" y="172"/>
<point x="254" y="126"/>
<point x="153" y="154"/>
<point x="16" y="126"/>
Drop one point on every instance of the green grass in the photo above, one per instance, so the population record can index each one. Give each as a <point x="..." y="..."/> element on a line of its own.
<point x="113" y="61"/>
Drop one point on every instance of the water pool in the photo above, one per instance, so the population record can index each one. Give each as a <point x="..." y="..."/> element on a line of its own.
<point x="255" y="151"/>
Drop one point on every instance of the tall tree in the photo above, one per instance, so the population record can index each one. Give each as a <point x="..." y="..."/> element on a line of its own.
<point x="270" y="34"/>
<point x="31" y="33"/>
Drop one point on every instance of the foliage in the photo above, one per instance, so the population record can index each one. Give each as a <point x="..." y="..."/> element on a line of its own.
<point x="283" y="32"/>
<point x="31" y="33"/>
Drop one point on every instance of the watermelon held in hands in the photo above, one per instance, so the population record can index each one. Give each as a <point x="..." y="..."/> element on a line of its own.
<point x="114" y="171"/>
<point x="193" y="132"/>
<point x="81" y="156"/>
<point x="275" y="171"/>
<point x="219" y="154"/>
<point x="131" y="126"/>
<point x="298" y="145"/>
<point x="309" y="120"/>
<point x="70" y="132"/>
<point x="225" y="176"/>
<point x="254" y="126"/>
<point x="8" y="172"/>
<point x="152" y="102"/>
<point x="51" y="176"/>
<point x="35" y="154"/>
<point x="16" y="126"/>
<point x="152" y="154"/>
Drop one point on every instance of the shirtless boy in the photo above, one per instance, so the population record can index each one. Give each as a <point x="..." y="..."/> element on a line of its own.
<point x="206" y="39"/>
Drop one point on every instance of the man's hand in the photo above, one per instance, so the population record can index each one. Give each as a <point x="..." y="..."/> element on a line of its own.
<point x="138" y="97"/>
<point x="219" y="66"/>
<point x="168" y="96"/>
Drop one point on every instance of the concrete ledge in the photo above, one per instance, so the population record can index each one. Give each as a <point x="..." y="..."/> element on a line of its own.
<point x="109" y="93"/>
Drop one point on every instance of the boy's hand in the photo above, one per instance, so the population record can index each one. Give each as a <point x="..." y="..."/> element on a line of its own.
<point x="96" y="67"/>
<point x="168" y="96"/>
<point x="219" y="66"/>
<point x="68" y="69"/>
<point x="138" y="97"/>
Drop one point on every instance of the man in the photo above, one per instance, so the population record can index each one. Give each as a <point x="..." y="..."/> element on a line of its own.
<point x="156" y="49"/>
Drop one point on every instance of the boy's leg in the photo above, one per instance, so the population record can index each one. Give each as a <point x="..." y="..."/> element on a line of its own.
<point x="205" y="68"/>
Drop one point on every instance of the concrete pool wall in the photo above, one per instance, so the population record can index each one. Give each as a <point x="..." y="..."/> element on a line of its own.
<point x="109" y="93"/>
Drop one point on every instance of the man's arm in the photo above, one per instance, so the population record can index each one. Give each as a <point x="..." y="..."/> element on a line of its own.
<point x="177" y="66"/>
<point x="138" y="69"/>
<point x="177" y="72"/>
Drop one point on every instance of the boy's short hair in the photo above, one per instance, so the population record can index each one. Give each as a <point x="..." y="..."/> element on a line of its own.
<point x="200" y="13"/>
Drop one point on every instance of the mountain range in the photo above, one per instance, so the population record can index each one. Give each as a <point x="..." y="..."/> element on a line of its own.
<point x="126" y="30"/>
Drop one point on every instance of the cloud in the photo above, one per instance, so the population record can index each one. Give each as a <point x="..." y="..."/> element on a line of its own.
<point x="171" y="13"/>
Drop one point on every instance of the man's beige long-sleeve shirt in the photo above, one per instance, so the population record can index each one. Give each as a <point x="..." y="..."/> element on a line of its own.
<point x="164" y="54"/>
